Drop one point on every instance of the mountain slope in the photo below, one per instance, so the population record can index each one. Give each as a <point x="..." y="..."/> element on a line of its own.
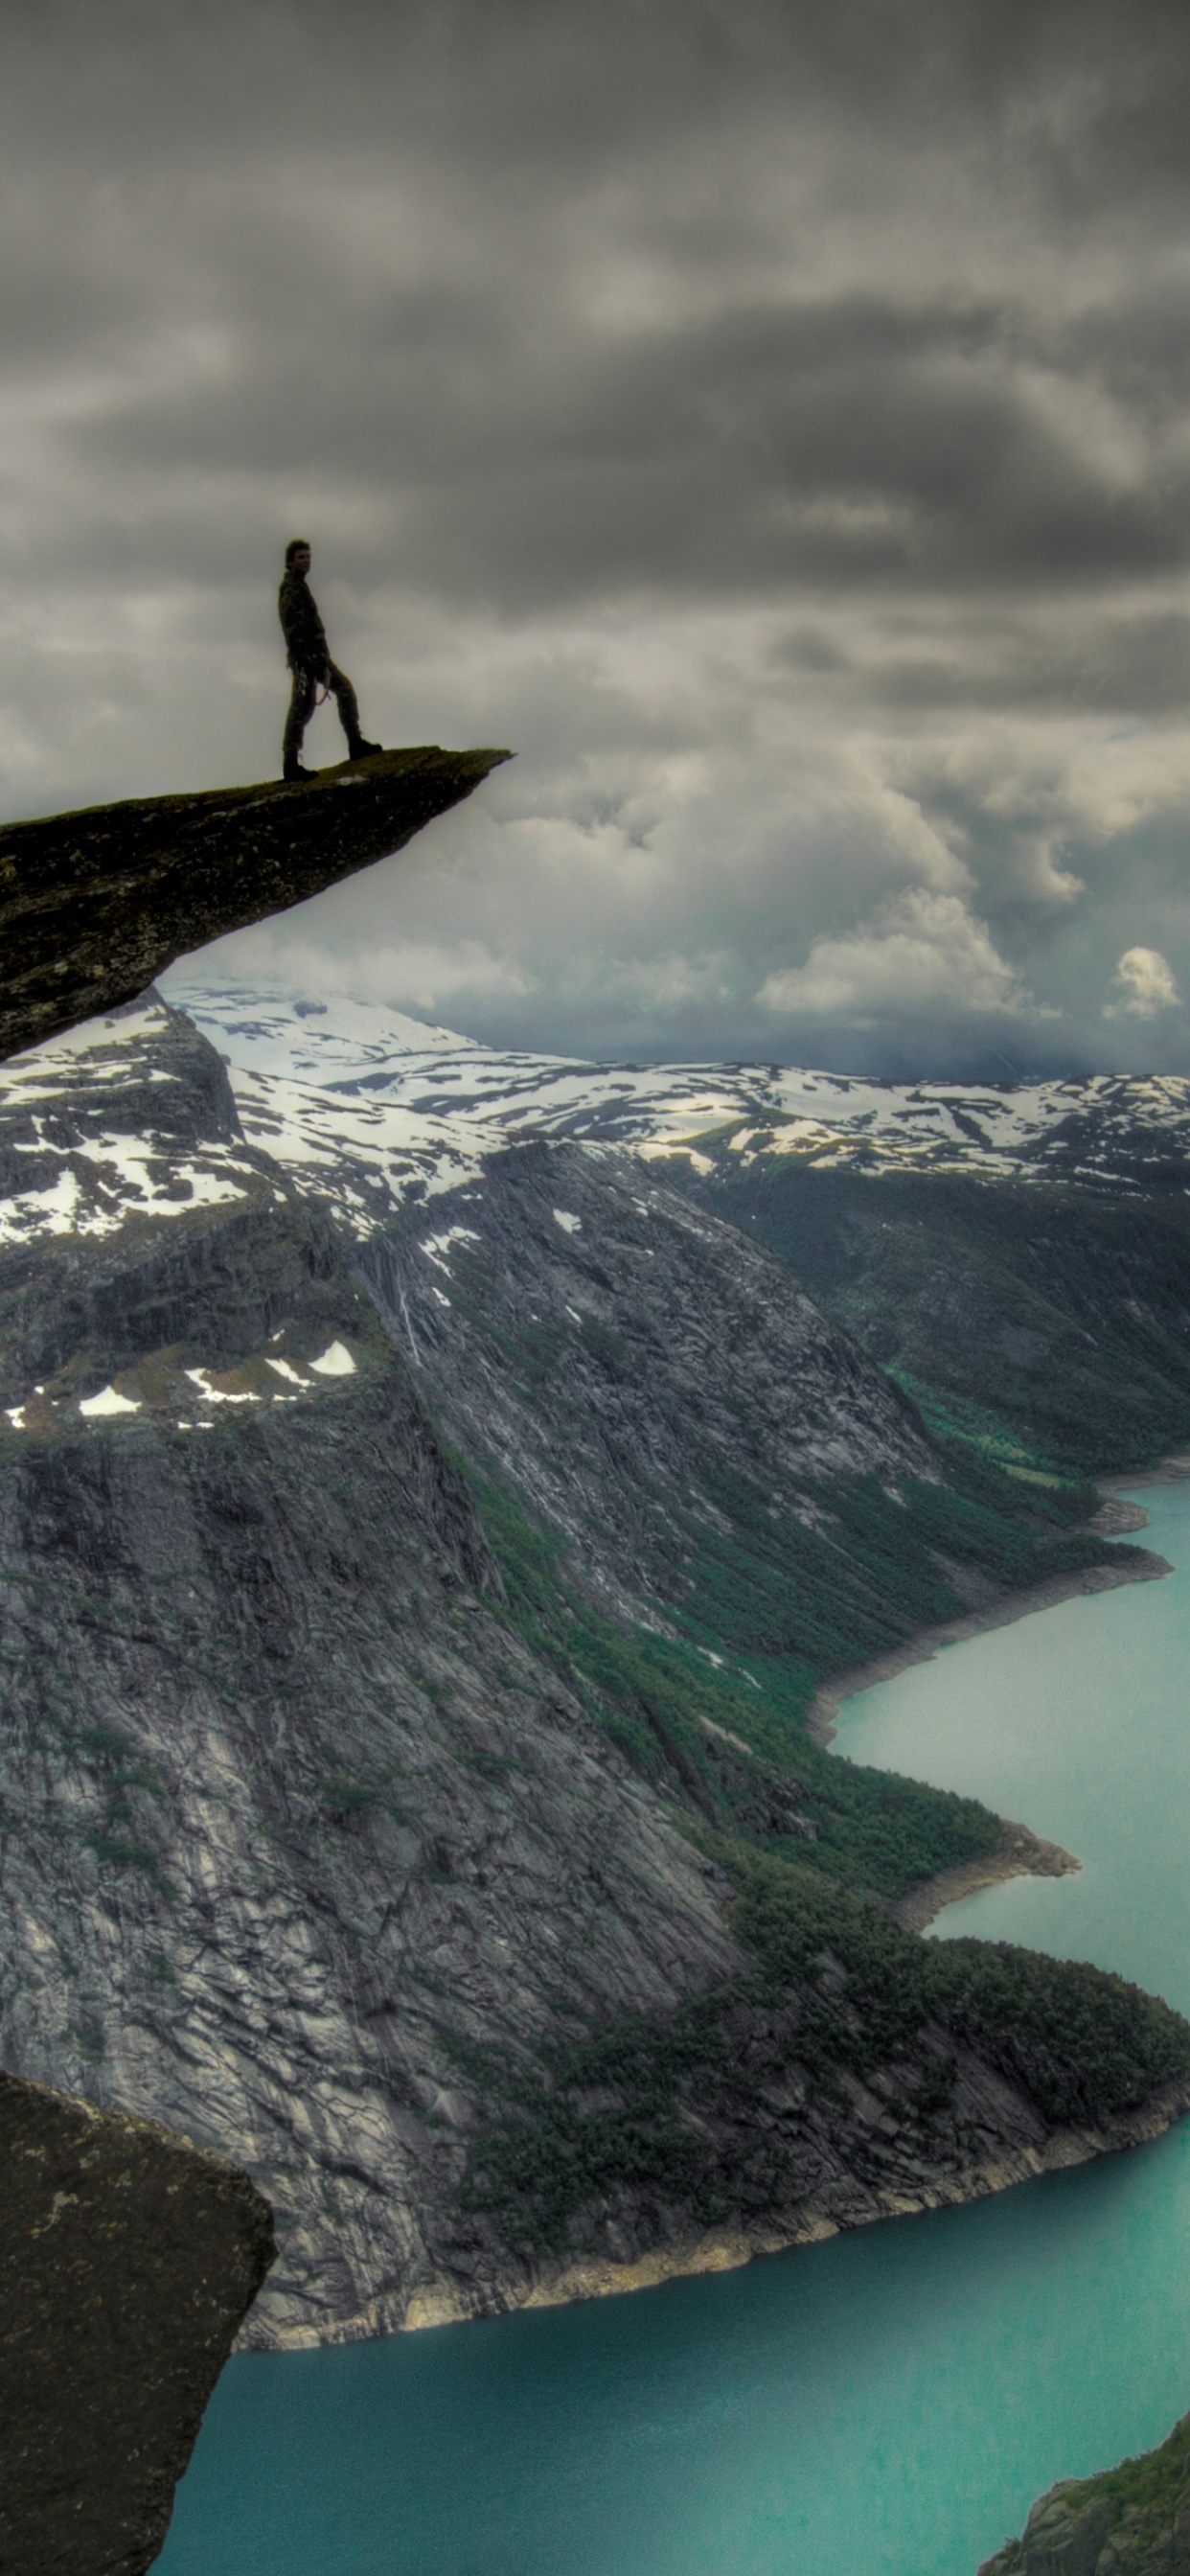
<point x="1112" y="1131"/>
<point x="730" y="1502"/>
<point x="1047" y="1324"/>
<point x="1016" y="1254"/>
<point x="320" y="1841"/>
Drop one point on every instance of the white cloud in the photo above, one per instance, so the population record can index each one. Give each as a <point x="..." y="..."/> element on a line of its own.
<point x="1147" y="981"/>
<point x="921" y="949"/>
<point x="420" y="978"/>
<point x="798" y="484"/>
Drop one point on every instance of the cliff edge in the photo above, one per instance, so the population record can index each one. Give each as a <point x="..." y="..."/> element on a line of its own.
<point x="95" y="905"/>
<point x="127" y="2261"/>
<point x="1129" y="2521"/>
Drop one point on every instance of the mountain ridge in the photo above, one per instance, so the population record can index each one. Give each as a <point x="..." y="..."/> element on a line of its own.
<point x="1118" y="1131"/>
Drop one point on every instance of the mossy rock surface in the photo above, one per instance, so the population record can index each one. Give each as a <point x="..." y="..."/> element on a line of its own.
<point x="128" y="2260"/>
<point x="95" y="905"/>
<point x="1133" y="2520"/>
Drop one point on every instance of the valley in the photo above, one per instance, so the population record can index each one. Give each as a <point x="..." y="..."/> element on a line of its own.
<point x="417" y="1585"/>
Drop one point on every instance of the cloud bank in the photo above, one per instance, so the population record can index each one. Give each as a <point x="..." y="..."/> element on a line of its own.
<point x="769" y="419"/>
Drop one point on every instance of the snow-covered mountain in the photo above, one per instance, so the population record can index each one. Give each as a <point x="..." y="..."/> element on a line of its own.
<point x="368" y="1105"/>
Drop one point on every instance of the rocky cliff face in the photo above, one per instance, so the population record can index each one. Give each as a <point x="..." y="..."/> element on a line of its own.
<point x="316" y="1849"/>
<point x="1051" y="1319"/>
<point x="631" y="1363"/>
<point x="1131" y="2521"/>
<point x="94" y="905"/>
<point x="127" y="2261"/>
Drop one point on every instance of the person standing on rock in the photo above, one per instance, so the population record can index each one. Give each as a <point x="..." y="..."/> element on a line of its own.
<point x="309" y="660"/>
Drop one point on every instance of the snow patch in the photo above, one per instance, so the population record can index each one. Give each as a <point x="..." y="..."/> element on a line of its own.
<point x="217" y="1394"/>
<point x="700" y="1163"/>
<point x="41" y="1211"/>
<point x="107" y="1401"/>
<point x="336" y="1361"/>
<point x="437" y="1246"/>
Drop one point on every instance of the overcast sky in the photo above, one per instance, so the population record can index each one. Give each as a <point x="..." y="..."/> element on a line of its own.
<point x="771" y="420"/>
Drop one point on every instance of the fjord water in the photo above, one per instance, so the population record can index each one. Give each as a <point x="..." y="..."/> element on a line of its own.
<point x="886" y="2404"/>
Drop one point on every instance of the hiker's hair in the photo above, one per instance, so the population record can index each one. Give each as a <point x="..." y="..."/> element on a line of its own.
<point x="296" y="546"/>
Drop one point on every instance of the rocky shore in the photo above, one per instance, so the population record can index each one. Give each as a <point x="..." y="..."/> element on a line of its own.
<point x="1020" y="1853"/>
<point x="1129" y="2521"/>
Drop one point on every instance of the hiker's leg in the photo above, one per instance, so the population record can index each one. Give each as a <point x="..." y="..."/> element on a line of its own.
<point x="347" y="703"/>
<point x="301" y="708"/>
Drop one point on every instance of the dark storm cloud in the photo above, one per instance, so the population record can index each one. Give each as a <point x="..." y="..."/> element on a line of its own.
<point x="759" y="449"/>
<point x="1128" y="666"/>
<point x="772" y="418"/>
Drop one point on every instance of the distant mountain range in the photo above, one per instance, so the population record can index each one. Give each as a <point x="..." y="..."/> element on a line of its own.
<point x="426" y="1099"/>
<point x="921" y="1217"/>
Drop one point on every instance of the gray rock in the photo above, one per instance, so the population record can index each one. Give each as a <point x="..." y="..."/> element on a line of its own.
<point x="624" y="1357"/>
<point x="1064" y="2537"/>
<point x="1132" y="2521"/>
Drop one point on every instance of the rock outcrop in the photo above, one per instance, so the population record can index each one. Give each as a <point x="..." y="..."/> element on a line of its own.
<point x="1131" y="2521"/>
<point x="127" y="2263"/>
<point x="94" y="905"/>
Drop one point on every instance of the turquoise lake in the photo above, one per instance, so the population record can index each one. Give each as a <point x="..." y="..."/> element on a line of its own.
<point x="886" y="2404"/>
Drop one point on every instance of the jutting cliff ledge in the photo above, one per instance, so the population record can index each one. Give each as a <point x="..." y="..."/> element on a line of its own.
<point x="95" y="905"/>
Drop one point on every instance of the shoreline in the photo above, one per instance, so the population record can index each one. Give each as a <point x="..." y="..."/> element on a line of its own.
<point x="446" y="2302"/>
<point x="922" y="1644"/>
<point x="1020" y="1853"/>
<point x="1172" y="1469"/>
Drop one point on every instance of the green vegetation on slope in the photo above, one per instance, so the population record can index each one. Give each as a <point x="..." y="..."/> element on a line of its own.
<point x="1047" y="1323"/>
<point x="876" y="1568"/>
<point x="669" y="2108"/>
<point x="669" y="1708"/>
<point x="1082" y="2041"/>
<point x="783" y="1607"/>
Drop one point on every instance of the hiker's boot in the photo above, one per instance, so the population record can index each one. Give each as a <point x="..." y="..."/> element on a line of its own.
<point x="293" y="773"/>
<point x="361" y="750"/>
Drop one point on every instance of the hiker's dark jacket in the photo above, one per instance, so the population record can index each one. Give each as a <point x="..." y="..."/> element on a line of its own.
<point x="303" y="629"/>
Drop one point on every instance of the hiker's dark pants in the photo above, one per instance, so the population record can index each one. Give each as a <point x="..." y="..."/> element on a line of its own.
<point x="306" y="685"/>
